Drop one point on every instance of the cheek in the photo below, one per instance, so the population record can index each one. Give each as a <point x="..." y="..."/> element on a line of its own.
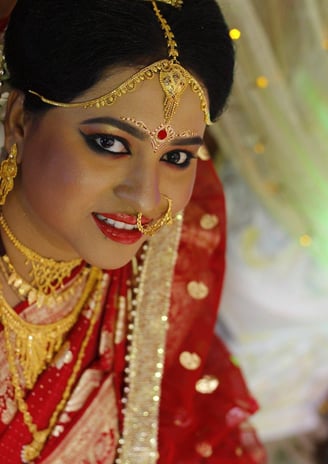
<point x="49" y="177"/>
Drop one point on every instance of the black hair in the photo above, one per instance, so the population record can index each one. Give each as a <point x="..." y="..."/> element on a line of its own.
<point x="60" y="48"/>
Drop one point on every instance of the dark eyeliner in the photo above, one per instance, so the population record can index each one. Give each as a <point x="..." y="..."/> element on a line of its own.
<point x="183" y="165"/>
<point x="90" y="140"/>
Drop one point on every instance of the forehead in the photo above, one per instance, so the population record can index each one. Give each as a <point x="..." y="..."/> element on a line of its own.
<point x="145" y="103"/>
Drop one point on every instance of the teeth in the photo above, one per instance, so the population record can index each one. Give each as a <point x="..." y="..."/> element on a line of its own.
<point x="116" y="224"/>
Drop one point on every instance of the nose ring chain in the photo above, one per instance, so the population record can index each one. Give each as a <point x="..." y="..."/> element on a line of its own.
<point x="151" y="229"/>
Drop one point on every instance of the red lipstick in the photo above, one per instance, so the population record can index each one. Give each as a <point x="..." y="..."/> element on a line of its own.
<point x="119" y="227"/>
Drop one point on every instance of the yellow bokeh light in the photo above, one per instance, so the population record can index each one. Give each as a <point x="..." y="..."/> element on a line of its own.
<point x="305" y="240"/>
<point x="262" y="82"/>
<point x="325" y="44"/>
<point x="234" y="34"/>
<point x="259" y="148"/>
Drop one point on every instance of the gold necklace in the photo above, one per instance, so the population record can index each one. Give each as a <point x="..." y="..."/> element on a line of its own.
<point x="47" y="275"/>
<point x="34" y="344"/>
<point x="25" y="291"/>
<point x="20" y="287"/>
<point x="31" y="451"/>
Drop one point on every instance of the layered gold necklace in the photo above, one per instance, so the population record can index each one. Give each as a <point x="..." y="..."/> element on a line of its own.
<point x="32" y="347"/>
<point x="92" y="295"/>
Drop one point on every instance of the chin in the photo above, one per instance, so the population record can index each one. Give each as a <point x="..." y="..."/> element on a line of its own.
<point x="110" y="260"/>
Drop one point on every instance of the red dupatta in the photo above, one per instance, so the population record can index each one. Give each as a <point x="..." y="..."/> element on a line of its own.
<point x="205" y="403"/>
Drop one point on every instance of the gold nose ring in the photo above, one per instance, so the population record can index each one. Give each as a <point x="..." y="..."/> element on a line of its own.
<point x="152" y="228"/>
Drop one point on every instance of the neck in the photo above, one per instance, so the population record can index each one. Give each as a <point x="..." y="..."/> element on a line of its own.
<point x="27" y="227"/>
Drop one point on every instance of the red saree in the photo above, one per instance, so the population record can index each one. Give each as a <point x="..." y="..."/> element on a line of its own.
<point x="204" y="403"/>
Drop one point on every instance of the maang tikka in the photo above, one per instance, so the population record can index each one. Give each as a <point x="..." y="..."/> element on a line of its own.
<point x="8" y="172"/>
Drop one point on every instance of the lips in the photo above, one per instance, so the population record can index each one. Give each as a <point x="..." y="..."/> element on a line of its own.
<point x="119" y="227"/>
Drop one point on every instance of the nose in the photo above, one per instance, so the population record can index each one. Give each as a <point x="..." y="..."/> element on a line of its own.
<point x="140" y="188"/>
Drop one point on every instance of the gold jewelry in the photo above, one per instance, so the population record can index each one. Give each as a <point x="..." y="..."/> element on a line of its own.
<point x="173" y="78"/>
<point x="31" y="451"/>
<point x="160" y="136"/>
<point x="24" y="290"/>
<point x="166" y="219"/>
<point x="47" y="274"/>
<point x="35" y="344"/>
<point x="8" y="172"/>
<point x="174" y="3"/>
<point x="17" y="284"/>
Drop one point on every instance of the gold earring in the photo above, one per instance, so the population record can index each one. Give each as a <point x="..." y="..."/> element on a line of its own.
<point x="162" y="221"/>
<point x="8" y="172"/>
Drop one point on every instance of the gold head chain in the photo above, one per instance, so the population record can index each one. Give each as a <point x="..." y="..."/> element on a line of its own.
<point x="173" y="78"/>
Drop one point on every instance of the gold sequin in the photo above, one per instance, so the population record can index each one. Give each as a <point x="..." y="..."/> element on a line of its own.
<point x="207" y="384"/>
<point x="239" y="451"/>
<point x="209" y="221"/>
<point x="204" y="449"/>
<point x="190" y="361"/>
<point x="197" y="290"/>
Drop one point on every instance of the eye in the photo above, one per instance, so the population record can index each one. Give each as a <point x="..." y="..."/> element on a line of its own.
<point x="179" y="158"/>
<point x="106" y="143"/>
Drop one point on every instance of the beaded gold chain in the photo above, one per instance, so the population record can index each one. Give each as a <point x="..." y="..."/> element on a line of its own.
<point x="95" y="284"/>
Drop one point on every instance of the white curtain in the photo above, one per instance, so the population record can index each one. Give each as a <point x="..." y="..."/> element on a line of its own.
<point x="274" y="139"/>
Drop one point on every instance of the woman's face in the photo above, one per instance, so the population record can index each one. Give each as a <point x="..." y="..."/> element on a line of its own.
<point x="86" y="173"/>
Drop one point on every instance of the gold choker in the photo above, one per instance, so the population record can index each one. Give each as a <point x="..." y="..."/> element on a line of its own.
<point x="25" y="291"/>
<point x="47" y="275"/>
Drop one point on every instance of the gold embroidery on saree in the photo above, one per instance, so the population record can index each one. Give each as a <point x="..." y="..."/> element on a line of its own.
<point x="140" y="432"/>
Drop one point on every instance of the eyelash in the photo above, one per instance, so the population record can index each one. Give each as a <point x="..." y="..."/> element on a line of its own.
<point x="94" y="142"/>
<point x="184" y="164"/>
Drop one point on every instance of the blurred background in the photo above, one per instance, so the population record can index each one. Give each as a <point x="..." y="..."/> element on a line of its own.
<point x="271" y="150"/>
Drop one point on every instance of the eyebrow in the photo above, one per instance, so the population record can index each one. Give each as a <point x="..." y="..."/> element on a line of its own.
<point x="139" y="133"/>
<point x="187" y="141"/>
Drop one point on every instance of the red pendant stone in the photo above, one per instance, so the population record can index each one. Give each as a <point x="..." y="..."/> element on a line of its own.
<point x="162" y="134"/>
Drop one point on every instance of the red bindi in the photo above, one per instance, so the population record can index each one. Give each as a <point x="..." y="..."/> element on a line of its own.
<point x="162" y="134"/>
